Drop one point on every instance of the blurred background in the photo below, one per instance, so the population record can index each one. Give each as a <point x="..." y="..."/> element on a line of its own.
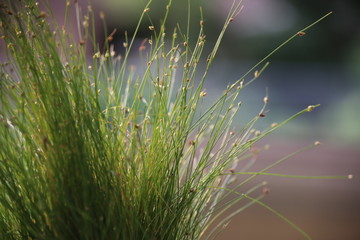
<point x="321" y="67"/>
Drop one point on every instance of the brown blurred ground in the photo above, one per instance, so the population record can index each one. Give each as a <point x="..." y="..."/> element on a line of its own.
<point x="325" y="209"/>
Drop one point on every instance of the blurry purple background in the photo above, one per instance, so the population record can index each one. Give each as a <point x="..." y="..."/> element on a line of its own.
<point x="321" y="67"/>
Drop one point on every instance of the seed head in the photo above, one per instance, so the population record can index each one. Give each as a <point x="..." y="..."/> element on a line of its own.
<point x="85" y="23"/>
<point x="96" y="55"/>
<point x="152" y="28"/>
<point x="266" y="191"/>
<point x="241" y="84"/>
<point x="146" y="10"/>
<point x="350" y="176"/>
<point x="266" y="99"/>
<point x="43" y="14"/>
<point x="203" y="94"/>
<point x="102" y="15"/>
<point x="300" y="34"/>
<point x="317" y="143"/>
<point x="310" y="108"/>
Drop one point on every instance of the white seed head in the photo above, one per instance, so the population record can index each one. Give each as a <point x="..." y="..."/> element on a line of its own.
<point x="203" y="94"/>
<point x="310" y="108"/>
<point x="85" y="24"/>
<point x="102" y="15"/>
<point x="96" y="55"/>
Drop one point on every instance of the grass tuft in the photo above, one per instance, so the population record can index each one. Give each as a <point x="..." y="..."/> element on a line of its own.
<point x="95" y="148"/>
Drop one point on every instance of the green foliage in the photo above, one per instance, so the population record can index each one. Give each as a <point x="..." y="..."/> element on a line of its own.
<point x="97" y="149"/>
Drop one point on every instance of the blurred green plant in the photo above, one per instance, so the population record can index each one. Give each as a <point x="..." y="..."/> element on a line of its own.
<point x="98" y="149"/>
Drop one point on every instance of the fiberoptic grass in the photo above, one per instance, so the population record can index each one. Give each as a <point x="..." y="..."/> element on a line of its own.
<point x="97" y="149"/>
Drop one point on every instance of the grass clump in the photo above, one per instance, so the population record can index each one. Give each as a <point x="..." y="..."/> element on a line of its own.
<point x="97" y="149"/>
